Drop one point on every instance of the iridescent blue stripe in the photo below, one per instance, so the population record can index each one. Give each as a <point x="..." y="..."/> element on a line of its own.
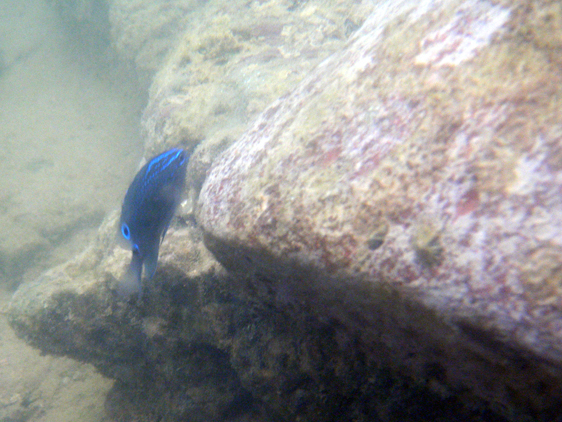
<point x="174" y="152"/>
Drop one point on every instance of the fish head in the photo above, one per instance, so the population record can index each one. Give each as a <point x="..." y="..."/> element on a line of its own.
<point x="140" y="233"/>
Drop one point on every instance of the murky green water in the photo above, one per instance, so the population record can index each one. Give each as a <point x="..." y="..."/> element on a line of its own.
<point x="69" y="142"/>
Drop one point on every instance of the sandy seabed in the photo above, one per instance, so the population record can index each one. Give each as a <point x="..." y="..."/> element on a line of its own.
<point x="69" y="145"/>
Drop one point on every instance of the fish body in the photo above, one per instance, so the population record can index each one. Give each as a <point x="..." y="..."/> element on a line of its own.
<point x="148" y="207"/>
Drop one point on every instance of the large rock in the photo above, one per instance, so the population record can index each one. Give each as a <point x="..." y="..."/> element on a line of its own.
<point x="410" y="189"/>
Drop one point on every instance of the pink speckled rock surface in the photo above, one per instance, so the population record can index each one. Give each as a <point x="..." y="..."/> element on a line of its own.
<point x="411" y="188"/>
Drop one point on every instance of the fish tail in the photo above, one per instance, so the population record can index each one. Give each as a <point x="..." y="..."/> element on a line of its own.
<point x="130" y="284"/>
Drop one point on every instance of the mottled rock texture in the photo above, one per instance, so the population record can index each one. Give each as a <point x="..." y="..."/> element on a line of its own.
<point x="200" y="347"/>
<point x="231" y="60"/>
<point x="410" y="189"/>
<point x="162" y="352"/>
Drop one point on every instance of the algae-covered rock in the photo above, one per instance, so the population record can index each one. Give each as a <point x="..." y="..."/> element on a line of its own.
<point x="410" y="189"/>
<point x="234" y="58"/>
<point x="163" y="352"/>
<point x="201" y="347"/>
<point x="230" y="61"/>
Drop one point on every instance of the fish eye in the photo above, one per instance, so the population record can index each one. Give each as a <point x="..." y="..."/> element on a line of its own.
<point x="125" y="231"/>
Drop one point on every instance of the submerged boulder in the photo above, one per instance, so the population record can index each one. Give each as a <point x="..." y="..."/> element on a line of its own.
<point x="409" y="189"/>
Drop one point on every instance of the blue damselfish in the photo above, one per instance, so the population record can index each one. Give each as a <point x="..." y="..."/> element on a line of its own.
<point x="147" y="209"/>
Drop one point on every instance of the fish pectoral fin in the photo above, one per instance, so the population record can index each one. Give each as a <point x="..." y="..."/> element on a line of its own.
<point x="151" y="261"/>
<point x="164" y="233"/>
<point x="130" y="284"/>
